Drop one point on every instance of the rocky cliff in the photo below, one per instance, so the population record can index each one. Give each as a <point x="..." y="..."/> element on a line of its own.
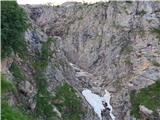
<point x="113" y="46"/>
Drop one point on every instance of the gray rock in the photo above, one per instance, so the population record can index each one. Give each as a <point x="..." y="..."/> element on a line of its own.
<point x="26" y="87"/>
<point x="111" y="41"/>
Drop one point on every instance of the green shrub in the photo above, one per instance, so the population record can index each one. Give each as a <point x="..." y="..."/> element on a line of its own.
<point x="155" y="63"/>
<point x="6" y="85"/>
<point x="44" y="108"/>
<point x="42" y="61"/>
<point x="8" y="112"/>
<point x="142" y="12"/>
<point x="45" y="51"/>
<point x="17" y="73"/>
<point x="12" y="113"/>
<point x="70" y="107"/>
<point x="149" y="97"/>
<point x="156" y="30"/>
<point x="13" y="26"/>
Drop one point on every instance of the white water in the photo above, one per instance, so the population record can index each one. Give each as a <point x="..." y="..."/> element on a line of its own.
<point x="96" y="102"/>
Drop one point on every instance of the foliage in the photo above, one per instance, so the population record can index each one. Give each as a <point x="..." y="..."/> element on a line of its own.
<point x="155" y="63"/>
<point x="80" y="18"/>
<point x="142" y="12"/>
<point x="13" y="26"/>
<point x="6" y="85"/>
<point x="70" y="107"/>
<point x="126" y="49"/>
<point x="156" y="30"/>
<point x="10" y="113"/>
<point x="15" y="70"/>
<point x="43" y="58"/>
<point x="44" y="108"/>
<point x="45" y="51"/>
<point x="149" y="97"/>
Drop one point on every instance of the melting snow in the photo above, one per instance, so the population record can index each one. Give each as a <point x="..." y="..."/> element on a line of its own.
<point x="96" y="102"/>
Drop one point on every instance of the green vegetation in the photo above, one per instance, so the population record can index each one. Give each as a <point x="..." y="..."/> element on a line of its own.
<point x="9" y="112"/>
<point x="44" y="108"/>
<point x="68" y="103"/>
<point x="13" y="26"/>
<point x="149" y="97"/>
<point x="12" y="113"/>
<point x="6" y="85"/>
<point x="156" y="30"/>
<point x="142" y="12"/>
<point x="126" y="49"/>
<point x="45" y="51"/>
<point x="16" y="72"/>
<point x="80" y="18"/>
<point x="44" y="56"/>
<point x="70" y="107"/>
<point x="155" y="63"/>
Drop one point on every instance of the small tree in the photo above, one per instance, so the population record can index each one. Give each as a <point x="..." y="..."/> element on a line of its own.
<point x="13" y="26"/>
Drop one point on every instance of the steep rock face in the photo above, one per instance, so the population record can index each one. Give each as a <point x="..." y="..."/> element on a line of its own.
<point x="58" y="71"/>
<point x="100" y="37"/>
<point x="112" y="41"/>
<point x="111" y="45"/>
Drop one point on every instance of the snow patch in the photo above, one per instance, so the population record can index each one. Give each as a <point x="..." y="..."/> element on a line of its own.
<point x="107" y="98"/>
<point x="97" y="102"/>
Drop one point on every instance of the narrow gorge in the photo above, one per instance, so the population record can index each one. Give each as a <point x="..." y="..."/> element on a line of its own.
<point x="83" y="61"/>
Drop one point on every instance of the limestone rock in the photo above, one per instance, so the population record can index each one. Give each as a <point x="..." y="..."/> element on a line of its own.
<point x="110" y="41"/>
<point x="145" y="112"/>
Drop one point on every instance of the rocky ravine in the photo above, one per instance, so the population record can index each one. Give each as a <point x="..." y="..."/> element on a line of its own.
<point x="111" y="42"/>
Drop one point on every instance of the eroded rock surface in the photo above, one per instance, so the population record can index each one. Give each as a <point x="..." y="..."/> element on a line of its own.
<point x="107" y="45"/>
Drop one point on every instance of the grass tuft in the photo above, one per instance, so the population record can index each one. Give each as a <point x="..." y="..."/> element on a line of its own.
<point x="149" y="97"/>
<point x="11" y="113"/>
<point x="16" y="71"/>
<point x="6" y="85"/>
<point x="69" y="103"/>
<point x="155" y="63"/>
